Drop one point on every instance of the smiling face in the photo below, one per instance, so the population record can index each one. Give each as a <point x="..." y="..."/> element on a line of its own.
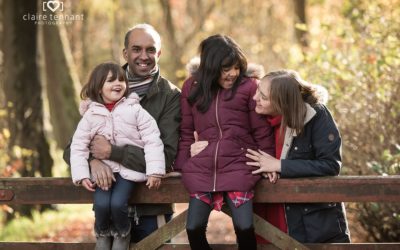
<point x="228" y="76"/>
<point x="112" y="90"/>
<point x="262" y="97"/>
<point x="142" y="52"/>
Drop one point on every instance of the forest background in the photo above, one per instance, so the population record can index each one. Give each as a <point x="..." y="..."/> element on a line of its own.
<point x="350" y="47"/>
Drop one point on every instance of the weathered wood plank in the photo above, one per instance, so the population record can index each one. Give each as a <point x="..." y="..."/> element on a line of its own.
<point x="46" y="246"/>
<point x="357" y="246"/>
<point x="271" y="233"/>
<point x="90" y="246"/>
<point x="163" y="234"/>
<point x="327" y="189"/>
<point x="331" y="189"/>
<point x="276" y="236"/>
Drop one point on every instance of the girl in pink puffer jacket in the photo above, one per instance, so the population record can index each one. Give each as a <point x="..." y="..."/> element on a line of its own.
<point x="108" y="110"/>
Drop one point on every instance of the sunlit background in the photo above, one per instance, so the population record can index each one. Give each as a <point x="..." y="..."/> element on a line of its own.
<point x="351" y="47"/>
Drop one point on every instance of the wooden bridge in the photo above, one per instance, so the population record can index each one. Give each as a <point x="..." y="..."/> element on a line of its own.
<point x="326" y="189"/>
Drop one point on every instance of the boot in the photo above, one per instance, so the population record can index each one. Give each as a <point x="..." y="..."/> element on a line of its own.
<point x="246" y="239"/>
<point x="103" y="243"/>
<point x="103" y="240"/>
<point x="197" y="239"/>
<point x="121" y="242"/>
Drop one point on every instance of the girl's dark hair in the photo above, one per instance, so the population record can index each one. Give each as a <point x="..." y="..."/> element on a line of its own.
<point x="91" y="90"/>
<point x="216" y="53"/>
<point x="288" y="95"/>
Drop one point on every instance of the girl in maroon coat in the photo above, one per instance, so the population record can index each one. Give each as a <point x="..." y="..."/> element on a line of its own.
<point x="217" y="105"/>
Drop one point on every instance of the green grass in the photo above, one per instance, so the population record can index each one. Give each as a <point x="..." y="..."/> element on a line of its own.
<point x="26" y="229"/>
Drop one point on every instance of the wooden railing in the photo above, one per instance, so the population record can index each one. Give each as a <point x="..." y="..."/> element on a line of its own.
<point x="327" y="189"/>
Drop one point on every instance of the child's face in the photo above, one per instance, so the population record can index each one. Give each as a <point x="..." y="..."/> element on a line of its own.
<point x="228" y="76"/>
<point x="112" y="91"/>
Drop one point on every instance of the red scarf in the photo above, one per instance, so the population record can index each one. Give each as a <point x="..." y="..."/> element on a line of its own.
<point x="275" y="122"/>
<point x="274" y="213"/>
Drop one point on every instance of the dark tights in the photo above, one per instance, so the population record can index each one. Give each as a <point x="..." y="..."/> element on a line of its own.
<point x="242" y="218"/>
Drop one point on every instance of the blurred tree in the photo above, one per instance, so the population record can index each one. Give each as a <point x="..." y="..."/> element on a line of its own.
<point x="78" y="36"/>
<point x="180" y="38"/>
<point x="62" y="82"/>
<point x="115" y="22"/>
<point x="358" y="60"/>
<point x="300" y="21"/>
<point x="23" y="91"/>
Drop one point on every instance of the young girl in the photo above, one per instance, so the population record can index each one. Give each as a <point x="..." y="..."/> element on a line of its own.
<point x="216" y="104"/>
<point x="109" y="111"/>
<point x="309" y="145"/>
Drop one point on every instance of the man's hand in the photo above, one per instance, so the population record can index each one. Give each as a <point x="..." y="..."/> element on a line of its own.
<point x="100" y="147"/>
<point x="153" y="182"/>
<point x="102" y="174"/>
<point x="88" y="185"/>
<point x="197" y="146"/>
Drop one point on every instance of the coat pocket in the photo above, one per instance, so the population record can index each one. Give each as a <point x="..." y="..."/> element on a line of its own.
<point x="302" y="151"/>
<point x="323" y="221"/>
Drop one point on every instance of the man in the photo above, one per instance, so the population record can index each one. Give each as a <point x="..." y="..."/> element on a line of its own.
<point x="142" y="50"/>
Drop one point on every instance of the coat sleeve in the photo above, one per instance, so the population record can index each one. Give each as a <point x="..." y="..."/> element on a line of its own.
<point x="186" y="128"/>
<point x="168" y="124"/>
<point x="80" y="151"/>
<point x="326" y="154"/>
<point x="261" y="130"/>
<point x="153" y="146"/>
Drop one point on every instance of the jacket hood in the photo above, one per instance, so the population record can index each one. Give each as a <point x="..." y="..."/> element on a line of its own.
<point x="84" y="106"/>
<point x="257" y="71"/>
<point x="133" y="98"/>
<point x="253" y="70"/>
<point x="321" y="93"/>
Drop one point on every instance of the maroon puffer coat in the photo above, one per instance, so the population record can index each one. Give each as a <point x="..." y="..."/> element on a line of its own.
<point x="230" y="127"/>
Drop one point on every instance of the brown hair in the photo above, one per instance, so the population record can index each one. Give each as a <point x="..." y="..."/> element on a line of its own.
<point x="288" y="95"/>
<point x="91" y="90"/>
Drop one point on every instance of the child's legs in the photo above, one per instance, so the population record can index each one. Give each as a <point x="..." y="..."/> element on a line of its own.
<point x="196" y="223"/>
<point x="122" y="190"/>
<point x="102" y="211"/>
<point x="242" y="218"/>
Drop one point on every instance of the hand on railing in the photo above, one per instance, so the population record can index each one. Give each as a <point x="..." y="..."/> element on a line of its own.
<point x="172" y="174"/>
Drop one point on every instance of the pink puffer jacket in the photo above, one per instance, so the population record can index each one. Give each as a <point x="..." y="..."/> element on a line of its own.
<point x="127" y="123"/>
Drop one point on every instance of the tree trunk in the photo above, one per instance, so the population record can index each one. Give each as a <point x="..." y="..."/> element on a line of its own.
<point x="301" y="18"/>
<point x="61" y="81"/>
<point x="186" y="34"/>
<point x="116" y="50"/>
<point x="23" y="90"/>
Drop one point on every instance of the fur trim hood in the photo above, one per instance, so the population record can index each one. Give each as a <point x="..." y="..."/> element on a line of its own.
<point x="321" y="93"/>
<point x="257" y="71"/>
<point x="253" y="70"/>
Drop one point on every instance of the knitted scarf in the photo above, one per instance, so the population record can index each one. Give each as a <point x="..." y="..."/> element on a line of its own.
<point x="140" y="84"/>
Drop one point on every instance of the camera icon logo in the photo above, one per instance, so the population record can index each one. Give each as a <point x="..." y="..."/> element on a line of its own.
<point x="53" y="5"/>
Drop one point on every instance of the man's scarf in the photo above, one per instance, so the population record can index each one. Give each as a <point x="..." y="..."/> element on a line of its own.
<point x="140" y="84"/>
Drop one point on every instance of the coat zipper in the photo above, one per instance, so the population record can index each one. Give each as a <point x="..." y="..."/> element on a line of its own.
<point x="217" y="146"/>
